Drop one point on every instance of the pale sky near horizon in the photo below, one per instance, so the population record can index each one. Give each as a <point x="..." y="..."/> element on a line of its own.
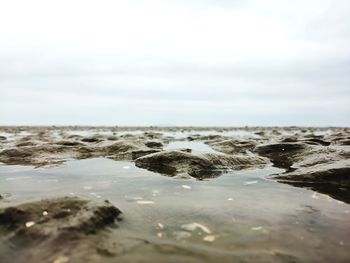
<point x="184" y="62"/>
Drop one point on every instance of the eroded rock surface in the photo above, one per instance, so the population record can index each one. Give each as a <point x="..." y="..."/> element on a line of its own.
<point x="319" y="167"/>
<point x="233" y="146"/>
<point x="179" y="163"/>
<point x="46" y="230"/>
<point x="332" y="179"/>
<point x="283" y="155"/>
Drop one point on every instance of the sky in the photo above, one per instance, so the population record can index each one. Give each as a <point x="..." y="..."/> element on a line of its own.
<point x="175" y="62"/>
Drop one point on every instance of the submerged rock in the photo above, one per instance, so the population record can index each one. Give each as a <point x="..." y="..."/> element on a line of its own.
<point x="49" y="228"/>
<point x="178" y="163"/>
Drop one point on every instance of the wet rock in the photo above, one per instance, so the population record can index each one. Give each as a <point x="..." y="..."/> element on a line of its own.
<point x="38" y="155"/>
<point x="36" y="227"/>
<point x="344" y="142"/>
<point x="139" y="153"/>
<point x="26" y="143"/>
<point x="152" y="135"/>
<point x="178" y="163"/>
<point x="121" y="147"/>
<point x="315" y="141"/>
<point x="3" y="138"/>
<point x="92" y="139"/>
<point x="154" y="144"/>
<point x="283" y="155"/>
<point x="15" y="155"/>
<point x="290" y="139"/>
<point x="69" y="143"/>
<point x="233" y="146"/>
<point x="260" y="133"/>
<point x="85" y="152"/>
<point x="198" y="137"/>
<point x="331" y="178"/>
<point x="74" y="136"/>
<point x="112" y="138"/>
<point x="126" y="150"/>
<point x="312" y="140"/>
<point x="324" y="169"/>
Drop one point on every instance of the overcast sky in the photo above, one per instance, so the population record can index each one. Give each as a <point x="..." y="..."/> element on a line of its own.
<point x="180" y="62"/>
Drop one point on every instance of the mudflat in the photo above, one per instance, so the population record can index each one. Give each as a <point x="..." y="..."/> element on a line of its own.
<point x="174" y="194"/>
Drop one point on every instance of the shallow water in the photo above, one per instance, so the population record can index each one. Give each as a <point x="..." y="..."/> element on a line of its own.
<point x="174" y="134"/>
<point x="195" y="147"/>
<point x="242" y="210"/>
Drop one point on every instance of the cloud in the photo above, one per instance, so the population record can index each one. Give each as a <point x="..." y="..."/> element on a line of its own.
<point x="180" y="62"/>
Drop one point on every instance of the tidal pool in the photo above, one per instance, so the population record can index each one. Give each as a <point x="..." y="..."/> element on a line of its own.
<point x="239" y="216"/>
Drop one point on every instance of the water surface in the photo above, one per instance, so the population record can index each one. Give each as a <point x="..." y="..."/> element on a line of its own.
<point x="242" y="210"/>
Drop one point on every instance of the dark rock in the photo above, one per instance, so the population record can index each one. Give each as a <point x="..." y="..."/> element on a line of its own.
<point x="36" y="224"/>
<point x="69" y="143"/>
<point x="92" y="139"/>
<point x="3" y="138"/>
<point x="290" y="139"/>
<point x="233" y="146"/>
<point x="27" y="143"/>
<point x="283" y="155"/>
<point x="74" y="136"/>
<point x="139" y="153"/>
<point x="332" y="179"/>
<point x="16" y="155"/>
<point x="315" y="141"/>
<point x="154" y="144"/>
<point x="260" y="133"/>
<point x="175" y="163"/>
<point x="112" y="138"/>
<point x="198" y="137"/>
<point x="344" y="142"/>
<point x="126" y="150"/>
<point x="121" y="147"/>
<point x="153" y="135"/>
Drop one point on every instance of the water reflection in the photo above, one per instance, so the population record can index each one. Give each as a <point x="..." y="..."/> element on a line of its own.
<point x="239" y="214"/>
